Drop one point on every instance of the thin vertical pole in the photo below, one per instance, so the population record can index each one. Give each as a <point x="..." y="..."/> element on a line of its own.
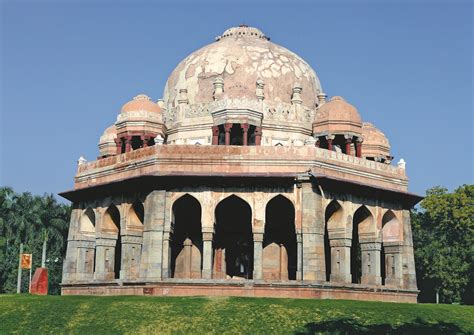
<point x="43" y="255"/>
<point x="18" y="282"/>
<point x="31" y="267"/>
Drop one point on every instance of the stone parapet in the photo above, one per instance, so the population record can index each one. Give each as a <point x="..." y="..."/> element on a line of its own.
<point x="192" y="160"/>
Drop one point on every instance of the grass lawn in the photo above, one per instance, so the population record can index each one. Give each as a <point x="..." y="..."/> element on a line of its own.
<point x="24" y="314"/>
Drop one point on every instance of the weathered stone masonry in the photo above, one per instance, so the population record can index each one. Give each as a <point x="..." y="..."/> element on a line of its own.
<point x="243" y="181"/>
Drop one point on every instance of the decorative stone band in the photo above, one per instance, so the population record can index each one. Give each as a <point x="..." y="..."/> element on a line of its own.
<point x="393" y="247"/>
<point x="82" y="244"/>
<point x="105" y="242"/>
<point x="342" y="242"/>
<point x="258" y="237"/>
<point x="130" y="239"/>
<point x="370" y="246"/>
<point x="279" y="112"/>
<point x="207" y="236"/>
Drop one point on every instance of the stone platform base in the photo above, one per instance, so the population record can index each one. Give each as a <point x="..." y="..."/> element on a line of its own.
<point x="243" y="289"/>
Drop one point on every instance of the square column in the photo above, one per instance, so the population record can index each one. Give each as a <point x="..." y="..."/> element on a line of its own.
<point x="207" y="255"/>
<point x="312" y="229"/>
<point x="370" y="263"/>
<point x="85" y="260"/>
<point x="257" y="256"/>
<point x="131" y="254"/>
<point x="152" y="248"/>
<point x="393" y="264"/>
<point x="340" y="260"/>
<point x="105" y="258"/>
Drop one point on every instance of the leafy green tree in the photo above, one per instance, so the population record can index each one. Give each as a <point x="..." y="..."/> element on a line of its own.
<point x="28" y="219"/>
<point x="443" y="236"/>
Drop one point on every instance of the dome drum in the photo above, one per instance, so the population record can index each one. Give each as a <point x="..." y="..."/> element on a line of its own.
<point x="107" y="145"/>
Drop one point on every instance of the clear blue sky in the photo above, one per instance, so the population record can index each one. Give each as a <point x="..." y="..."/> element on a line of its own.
<point x="67" y="67"/>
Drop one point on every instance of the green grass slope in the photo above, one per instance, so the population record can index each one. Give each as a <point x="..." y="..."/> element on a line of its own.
<point x="26" y="314"/>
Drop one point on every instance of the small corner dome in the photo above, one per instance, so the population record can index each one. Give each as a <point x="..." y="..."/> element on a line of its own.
<point x="375" y="142"/>
<point x="141" y="102"/>
<point x="109" y="134"/>
<point x="337" y="116"/>
<point x="373" y="135"/>
<point x="107" y="146"/>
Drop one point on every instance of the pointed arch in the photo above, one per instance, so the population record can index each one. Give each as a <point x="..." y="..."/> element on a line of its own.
<point x="233" y="247"/>
<point x="136" y="215"/>
<point x="111" y="220"/>
<point x="391" y="232"/>
<point x="334" y="215"/>
<point x="111" y="225"/>
<point x="186" y="246"/>
<point x="391" y="227"/>
<point x="363" y="224"/>
<point x="334" y="218"/>
<point x="87" y="222"/>
<point x="279" y="243"/>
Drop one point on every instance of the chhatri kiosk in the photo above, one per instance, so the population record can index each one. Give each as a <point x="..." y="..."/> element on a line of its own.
<point x="246" y="180"/>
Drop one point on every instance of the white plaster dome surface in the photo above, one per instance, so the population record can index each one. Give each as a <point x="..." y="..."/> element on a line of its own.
<point x="241" y="56"/>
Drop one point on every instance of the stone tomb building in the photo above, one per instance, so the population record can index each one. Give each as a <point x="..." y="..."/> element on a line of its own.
<point x="243" y="180"/>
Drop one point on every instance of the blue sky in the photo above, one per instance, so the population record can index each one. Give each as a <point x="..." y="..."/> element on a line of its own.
<point x="67" y="67"/>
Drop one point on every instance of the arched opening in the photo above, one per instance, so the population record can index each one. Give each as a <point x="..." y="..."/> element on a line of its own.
<point x="236" y="135"/>
<point x="136" y="214"/>
<point x="186" y="240"/>
<point x="111" y="224"/>
<point x="333" y="219"/>
<point x="362" y="222"/>
<point x="390" y="233"/>
<point x="279" y="242"/>
<point x="87" y="222"/>
<point x="233" y="239"/>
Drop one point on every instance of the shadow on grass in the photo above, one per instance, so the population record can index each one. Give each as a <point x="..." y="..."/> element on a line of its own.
<point x="349" y="327"/>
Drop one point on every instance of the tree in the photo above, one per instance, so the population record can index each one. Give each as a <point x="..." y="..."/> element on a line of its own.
<point x="443" y="236"/>
<point x="27" y="219"/>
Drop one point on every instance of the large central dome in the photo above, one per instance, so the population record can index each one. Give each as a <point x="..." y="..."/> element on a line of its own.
<point x="241" y="56"/>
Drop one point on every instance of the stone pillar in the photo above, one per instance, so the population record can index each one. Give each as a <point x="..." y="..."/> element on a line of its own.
<point x="70" y="262"/>
<point x="118" y="142"/>
<point x="370" y="252"/>
<point x="258" y="135"/>
<point x="166" y="265"/>
<point x="207" y="251"/>
<point x="145" y="140"/>
<point x="359" y="141"/>
<point x="215" y="135"/>
<point x="408" y="257"/>
<point x="227" y="129"/>
<point x="245" y="128"/>
<point x="85" y="259"/>
<point x="131" y="254"/>
<point x="299" y="256"/>
<point x="152" y="249"/>
<point x="313" y="233"/>
<point x="348" y="138"/>
<point x="257" y="256"/>
<point x="340" y="260"/>
<point x="128" y="143"/>
<point x="393" y="264"/>
<point x="330" y="138"/>
<point x="105" y="257"/>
